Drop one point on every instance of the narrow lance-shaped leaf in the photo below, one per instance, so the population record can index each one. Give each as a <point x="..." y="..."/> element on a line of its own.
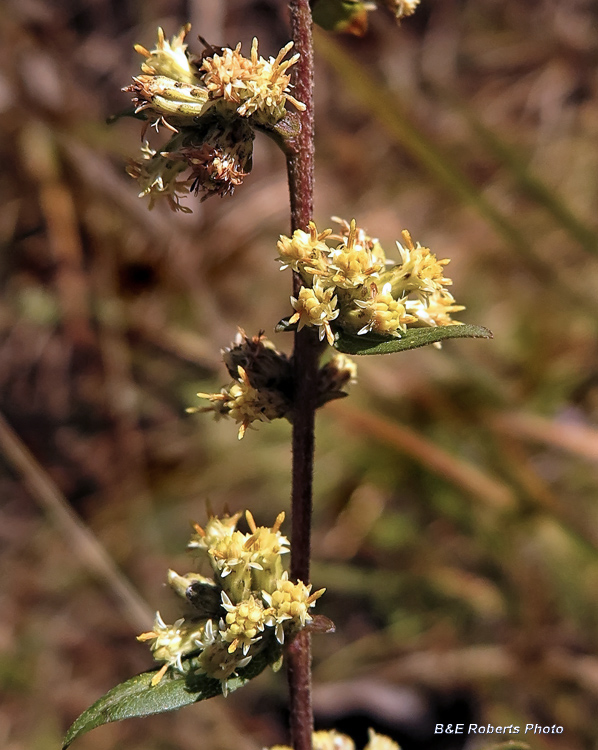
<point x="137" y="697"/>
<point x="413" y="338"/>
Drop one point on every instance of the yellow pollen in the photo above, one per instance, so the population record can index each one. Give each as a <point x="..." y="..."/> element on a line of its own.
<point x="158" y="676"/>
<point x="250" y="521"/>
<point x="278" y="523"/>
<point x="314" y="596"/>
<point x="146" y="636"/>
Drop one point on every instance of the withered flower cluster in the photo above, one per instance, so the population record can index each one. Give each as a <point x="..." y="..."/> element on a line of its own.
<point x="211" y="105"/>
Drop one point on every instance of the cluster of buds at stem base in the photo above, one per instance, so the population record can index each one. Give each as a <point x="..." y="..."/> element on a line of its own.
<point x="262" y="388"/>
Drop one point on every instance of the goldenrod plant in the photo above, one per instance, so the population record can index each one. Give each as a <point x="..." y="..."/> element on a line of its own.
<point x="349" y="294"/>
<point x="246" y="608"/>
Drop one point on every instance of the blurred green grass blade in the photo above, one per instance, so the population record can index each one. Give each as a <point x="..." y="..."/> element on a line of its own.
<point x="385" y="106"/>
<point x="533" y="187"/>
<point x="414" y="338"/>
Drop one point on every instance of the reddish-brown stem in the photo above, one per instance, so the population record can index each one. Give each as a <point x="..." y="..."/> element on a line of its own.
<point x="300" y="166"/>
<point x="300" y="157"/>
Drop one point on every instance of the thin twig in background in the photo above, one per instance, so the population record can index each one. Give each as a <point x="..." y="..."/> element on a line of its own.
<point x="82" y="540"/>
<point x="491" y="491"/>
<point x="577" y="439"/>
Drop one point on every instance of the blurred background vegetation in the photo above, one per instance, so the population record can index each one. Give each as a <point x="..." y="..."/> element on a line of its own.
<point x="456" y="524"/>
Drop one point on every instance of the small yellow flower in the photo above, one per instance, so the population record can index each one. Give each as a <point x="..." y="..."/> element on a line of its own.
<point x="353" y="261"/>
<point x="266" y="546"/>
<point x="250" y="562"/>
<point x="290" y="601"/>
<point x="244" y="403"/>
<point x="215" y="530"/>
<point x="383" y="314"/>
<point x="272" y="83"/>
<point x="213" y="108"/>
<point x="254" y="86"/>
<point x="244" y="622"/>
<point x="216" y="661"/>
<point x="355" y="285"/>
<point x="171" y="642"/>
<point x="380" y="742"/>
<point x="304" y="251"/>
<point x="225" y="74"/>
<point x="263" y="386"/>
<point x="436" y="311"/>
<point x="372" y="244"/>
<point x="169" y="59"/>
<point x="248" y="616"/>
<point x="232" y="562"/>
<point x="420" y="271"/>
<point x="332" y="740"/>
<point x="316" y="306"/>
<point x="266" y="540"/>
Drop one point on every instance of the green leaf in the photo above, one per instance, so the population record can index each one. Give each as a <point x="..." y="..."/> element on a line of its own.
<point x="137" y="697"/>
<point x="284" y="326"/>
<point x="341" y="15"/>
<point x="284" y="133"/>
<point x="414" y="338"/>
<point x="130" y="111"/>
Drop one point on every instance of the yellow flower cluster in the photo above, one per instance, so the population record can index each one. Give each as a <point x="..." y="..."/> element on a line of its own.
<point x="169" y="59"/>
<point x="262" y="386"/>
<point x="176" y="85"/>
<point x="333" y="740"/>
<point x="248" y="603"/>
<point x="244" y="403"/>
<point x="316" y="306"/>
<point x="211" y="104"/>
<point x="350" y="286"/>
<point x="255" y="87"/>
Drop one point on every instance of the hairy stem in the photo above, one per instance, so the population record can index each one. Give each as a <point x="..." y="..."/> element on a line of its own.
<point x="300" y="166"/>
<point x="300" y="157"/>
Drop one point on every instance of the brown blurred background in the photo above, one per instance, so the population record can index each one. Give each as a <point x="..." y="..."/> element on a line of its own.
<point x="456" y="522"/>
